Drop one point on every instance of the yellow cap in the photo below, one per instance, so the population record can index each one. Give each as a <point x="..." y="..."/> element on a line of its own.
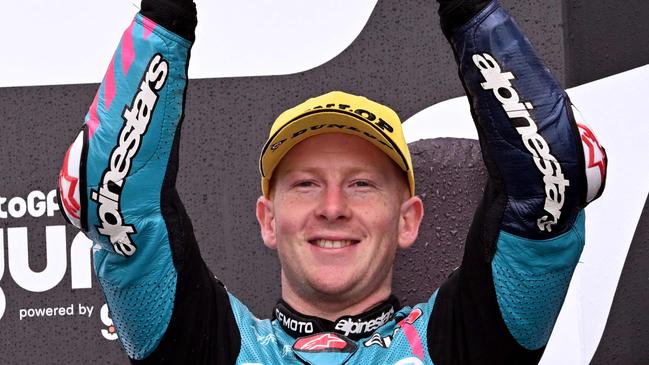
<point x="336" y="112"/>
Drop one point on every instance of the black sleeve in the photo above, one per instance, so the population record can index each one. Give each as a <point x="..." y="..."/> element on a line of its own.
<point x="202" y="329"/>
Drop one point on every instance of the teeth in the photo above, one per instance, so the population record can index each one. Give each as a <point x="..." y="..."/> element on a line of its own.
<point x="333" y="244"/>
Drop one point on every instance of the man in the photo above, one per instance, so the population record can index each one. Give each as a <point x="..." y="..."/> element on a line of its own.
<point x="338" y="199"/>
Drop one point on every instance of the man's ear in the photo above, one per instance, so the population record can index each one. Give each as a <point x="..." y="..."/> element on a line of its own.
<point x="266" y="219"/>
<point x="412" y="212"/>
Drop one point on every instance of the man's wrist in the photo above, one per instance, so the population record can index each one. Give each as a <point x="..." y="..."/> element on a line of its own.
<point x="177" y="16"/>
<point x="455" y="13"/>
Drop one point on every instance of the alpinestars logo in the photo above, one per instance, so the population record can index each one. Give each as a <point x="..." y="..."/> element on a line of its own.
<point x="380" y="341"/>
<point x="347" y="325"/>
<point x="324" y="342"/>
<point x="136" y="121"/>
<point x="519" y="115"/>
<point x="594" y="158"/>
<point x="69" y="193"/>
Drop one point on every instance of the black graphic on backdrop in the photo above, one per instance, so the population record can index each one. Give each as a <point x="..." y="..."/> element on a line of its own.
<point x="400" y="58"/>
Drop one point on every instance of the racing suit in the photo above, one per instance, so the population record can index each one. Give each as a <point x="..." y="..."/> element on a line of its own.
<point x="498" y="307"/>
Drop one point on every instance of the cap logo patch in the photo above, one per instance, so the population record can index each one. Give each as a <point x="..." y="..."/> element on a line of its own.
<point x="367" y="115"/>
<point x="275" y="146"/>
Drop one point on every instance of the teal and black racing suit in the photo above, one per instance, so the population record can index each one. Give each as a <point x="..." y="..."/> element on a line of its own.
<point x="498" y="307"/>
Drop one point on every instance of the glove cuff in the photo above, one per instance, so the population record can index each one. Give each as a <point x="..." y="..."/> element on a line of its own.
<point x="176" y="16"/>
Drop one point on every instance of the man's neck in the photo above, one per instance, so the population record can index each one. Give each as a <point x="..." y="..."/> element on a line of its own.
<point x="354" y="327"/>
<point x="330" y="307"/>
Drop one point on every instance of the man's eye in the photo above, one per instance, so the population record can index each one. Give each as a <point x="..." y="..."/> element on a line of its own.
<point x="361" y="183"/>
<point x="304" y="184"/>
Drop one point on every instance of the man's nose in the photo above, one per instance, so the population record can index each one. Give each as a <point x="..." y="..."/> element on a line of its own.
<point x="334" y="205"/>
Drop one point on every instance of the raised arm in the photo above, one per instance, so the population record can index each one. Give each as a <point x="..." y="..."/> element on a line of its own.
<point x="544" y="166"/>
<point x="118" y="185"/>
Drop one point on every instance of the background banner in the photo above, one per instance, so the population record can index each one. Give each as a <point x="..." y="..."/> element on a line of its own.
<point x="252" y="61"/>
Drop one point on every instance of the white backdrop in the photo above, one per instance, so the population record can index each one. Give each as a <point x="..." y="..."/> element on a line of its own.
<point x="321" y="29"/>
<point x="44" y="53"/>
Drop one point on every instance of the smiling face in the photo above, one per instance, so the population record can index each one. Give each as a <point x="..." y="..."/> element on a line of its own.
<point x="338" y="210"/>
